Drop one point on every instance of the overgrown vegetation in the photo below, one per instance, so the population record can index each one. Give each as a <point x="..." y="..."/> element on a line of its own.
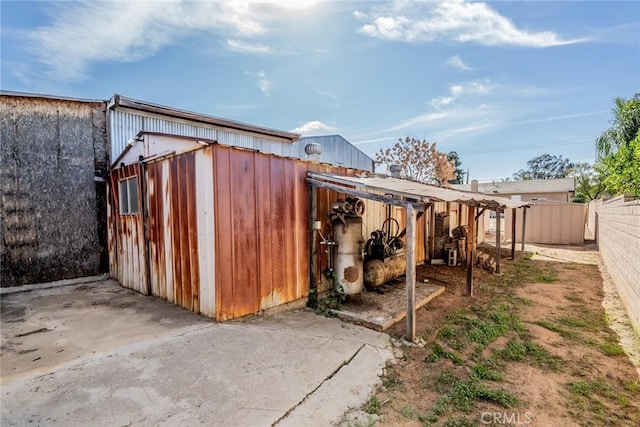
<point x="470" y="357"/>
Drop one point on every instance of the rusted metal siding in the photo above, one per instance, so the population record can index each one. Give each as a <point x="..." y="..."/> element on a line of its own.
<point x="128" y="240"/>
<point x="261" y="222"/>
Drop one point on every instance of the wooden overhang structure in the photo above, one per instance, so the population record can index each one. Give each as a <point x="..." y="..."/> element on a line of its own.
<point x="416" y="198"/>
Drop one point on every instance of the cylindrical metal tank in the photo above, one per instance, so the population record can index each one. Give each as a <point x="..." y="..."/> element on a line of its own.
<point x="377" y="272"/>
<point x="348" y="255"/>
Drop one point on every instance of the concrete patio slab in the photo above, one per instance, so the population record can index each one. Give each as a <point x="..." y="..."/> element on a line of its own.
<point x="380" y="311"/>
<point x="134" y="360"/>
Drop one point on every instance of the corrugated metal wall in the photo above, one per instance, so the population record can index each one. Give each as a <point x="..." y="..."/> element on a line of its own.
<point x="228" y="230"/>
<point x="551" y="222"/>
<point x="125" y="124"/>
<point x="127" y="257"/>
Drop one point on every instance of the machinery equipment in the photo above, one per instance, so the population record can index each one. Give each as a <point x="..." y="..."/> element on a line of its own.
<point x="385" y="258"/>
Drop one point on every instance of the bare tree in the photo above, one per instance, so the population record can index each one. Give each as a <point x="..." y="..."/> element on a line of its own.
<point x="420" y="161"/>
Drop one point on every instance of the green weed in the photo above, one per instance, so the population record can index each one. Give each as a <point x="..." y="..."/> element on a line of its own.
<point x="372" y="406"/>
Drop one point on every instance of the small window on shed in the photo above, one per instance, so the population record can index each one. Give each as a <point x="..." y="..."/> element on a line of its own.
<point x="128" y="191"/>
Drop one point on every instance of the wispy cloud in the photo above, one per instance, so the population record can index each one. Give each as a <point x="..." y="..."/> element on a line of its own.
<point x="245" y="47"/>
<point x="457" y="62"/>
<point x="456" y="20"/>
<point x="87" y="32"/>
<point x="264" y="84"/>
<point x="314" y="127"/>
<point x="476" y="87"/>
<point x="325" y="93"/>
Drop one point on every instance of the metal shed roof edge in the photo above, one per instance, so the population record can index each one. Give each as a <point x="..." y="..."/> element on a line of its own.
<point x="406" y="188"/>
<point x="121" y="101"/>
<point x="52" y="97"/>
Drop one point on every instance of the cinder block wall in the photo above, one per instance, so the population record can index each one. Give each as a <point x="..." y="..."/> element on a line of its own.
<point x="53" y="208"/>
<point x="618" y="226"/>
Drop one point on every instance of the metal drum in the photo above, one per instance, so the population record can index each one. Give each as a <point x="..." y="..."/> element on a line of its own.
<point x="349" y="255"/>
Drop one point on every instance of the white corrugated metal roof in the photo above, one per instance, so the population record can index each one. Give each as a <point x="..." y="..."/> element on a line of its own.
<point x="523" y="187"/>
<point x="419" y="191"/>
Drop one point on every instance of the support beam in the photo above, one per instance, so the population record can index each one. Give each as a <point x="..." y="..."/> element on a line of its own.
<point x="513" y="233"/>
<point x="471" y="223"/>
<point x="411" y="273"/>
<point x="432" y="231"/>
<point x="313" y="215"/>
<point x="498" y="239"/>
<point x="524" y="224"/>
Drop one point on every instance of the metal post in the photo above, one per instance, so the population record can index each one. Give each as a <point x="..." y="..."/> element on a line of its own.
<point x="411" y="273"/>
<point x="498" y="238"/>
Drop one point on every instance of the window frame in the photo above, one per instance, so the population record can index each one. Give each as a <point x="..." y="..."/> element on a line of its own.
<point x="126" y="201"/>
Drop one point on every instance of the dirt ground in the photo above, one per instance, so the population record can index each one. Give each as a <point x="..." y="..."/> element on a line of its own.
<point x="533" y="346"/>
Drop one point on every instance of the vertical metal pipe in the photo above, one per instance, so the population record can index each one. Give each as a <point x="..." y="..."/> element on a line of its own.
<point x="313" y="284"/>
<point x="411" y="273"/>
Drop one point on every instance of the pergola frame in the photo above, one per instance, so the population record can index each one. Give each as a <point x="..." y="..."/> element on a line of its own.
<point x="414" y="197"/>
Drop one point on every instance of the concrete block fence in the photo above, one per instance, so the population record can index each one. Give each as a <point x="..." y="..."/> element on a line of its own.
<point x="616" y="225"/>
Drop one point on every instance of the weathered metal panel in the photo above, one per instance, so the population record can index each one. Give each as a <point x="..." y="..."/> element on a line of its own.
<point x="129" y="241"/>
<point x="168" y="233"/>
<point x="206" y="231"/>
<point x="336" y="151"/>
<point x="125" y="124"/>
<point x="261" y="228"/>
<point x="184" y="231"/>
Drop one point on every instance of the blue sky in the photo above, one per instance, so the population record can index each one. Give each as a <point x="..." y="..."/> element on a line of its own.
<point x="498" y="82"/>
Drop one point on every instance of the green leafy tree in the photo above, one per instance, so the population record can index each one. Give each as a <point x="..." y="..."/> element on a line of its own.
<point x="419" y="159"/>
<point x="622" y="169"/>
<point x="544" y="167"/>
<point x="453" y="157"/>
<point x="625" y="126"/>
<point x="618" y="148"/>
<point x="589" y="182"/>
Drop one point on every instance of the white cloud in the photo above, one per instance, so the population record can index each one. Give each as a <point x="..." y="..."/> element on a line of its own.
<point x="456" y="91"/>
<point x="263" y="83"/>
<point x="244" y="47"/>
<point x="456" y="20"/>
<point x="457" y="62"/>
<point x="314" y="127"/>
<point x="86" y="32"/>
<point x="412" y="122"/>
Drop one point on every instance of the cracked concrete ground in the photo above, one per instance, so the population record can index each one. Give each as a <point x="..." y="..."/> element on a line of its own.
<point x="98" y="354"/>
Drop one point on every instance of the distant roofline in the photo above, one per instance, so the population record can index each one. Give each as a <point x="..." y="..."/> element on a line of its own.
<point x="340" y="136"/>
<point x="121" y="101"/>
<point x="43" y="96"/>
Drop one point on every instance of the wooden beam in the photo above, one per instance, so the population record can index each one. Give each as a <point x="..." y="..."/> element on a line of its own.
<point x="524" y="223"/>
<point x="498" y="239"/>
<point x="365" y="195"/>
<point x="432" y="231"/>
<point x="471" y="223"/>
<point x="513" y="233"/>
<point x="404" y="231"/>
<point x="313" y="215"/>
<point x="411" y="273"/>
